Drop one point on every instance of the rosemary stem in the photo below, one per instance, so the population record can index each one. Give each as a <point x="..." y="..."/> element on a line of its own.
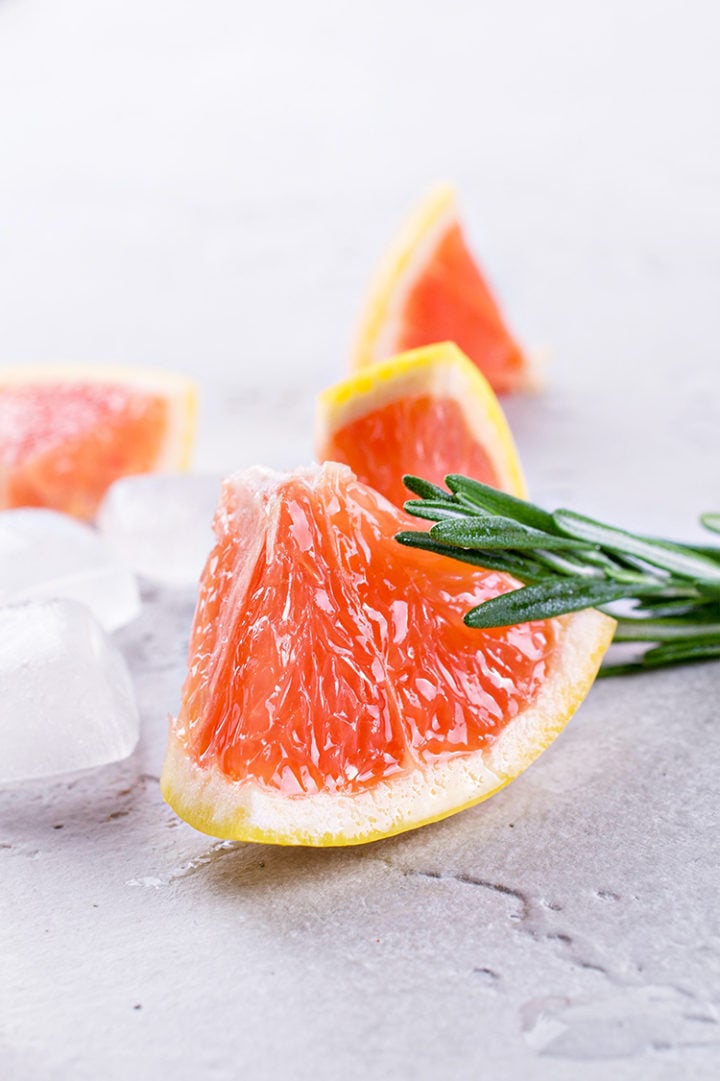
<point x="567" y="562"/>
<point x="661" y="630"/>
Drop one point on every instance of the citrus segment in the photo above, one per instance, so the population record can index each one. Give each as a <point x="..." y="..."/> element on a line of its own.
<point x="379" y="440"/>
<point x="431" y="289"/>
<point x="428" y="412"/>
<point x="334" y="694"/>
<point x="67" y="434"/>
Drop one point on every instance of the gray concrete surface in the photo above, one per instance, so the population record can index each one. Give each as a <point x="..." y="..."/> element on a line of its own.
<point x="207" y="187"/>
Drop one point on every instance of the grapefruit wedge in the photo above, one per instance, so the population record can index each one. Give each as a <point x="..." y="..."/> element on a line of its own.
<point x="67" y="433"/>
<point x="429" y="288"/>
<point x="334" y="694"/>
<point x="429" y="412"/>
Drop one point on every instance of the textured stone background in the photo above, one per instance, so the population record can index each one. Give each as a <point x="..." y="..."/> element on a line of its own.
<point x="207" y="187"/>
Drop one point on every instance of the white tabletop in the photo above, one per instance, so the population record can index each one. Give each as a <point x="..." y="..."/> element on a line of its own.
<point x="207" y="187"/>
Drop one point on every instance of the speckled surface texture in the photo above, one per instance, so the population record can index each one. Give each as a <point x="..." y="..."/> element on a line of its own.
<point x="207" y="187"/>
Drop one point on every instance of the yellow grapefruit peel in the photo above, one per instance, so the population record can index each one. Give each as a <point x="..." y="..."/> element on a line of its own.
<point x="411" y="248"/>
<point x="430" y="288"/>
<point x="244" y="811"/>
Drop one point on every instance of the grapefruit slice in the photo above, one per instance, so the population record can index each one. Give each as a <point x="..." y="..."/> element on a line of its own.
<point x="334" y="694"/>
<point x="429" y="288"/>
<point x="429" y="412"/>
<point x="67" y="433"/>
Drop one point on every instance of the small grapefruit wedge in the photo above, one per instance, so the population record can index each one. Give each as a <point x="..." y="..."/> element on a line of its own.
<point x="334" y="694"/>
<point x="429" y="412"/>
<point x="429" y="288"/>
<point x="67" y="433"/>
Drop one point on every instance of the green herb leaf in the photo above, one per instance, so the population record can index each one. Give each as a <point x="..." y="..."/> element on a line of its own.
<point x="663" y="630"/>
<point x="497" y="532"/>
<point x="696" y="649"/>
<point x="671" y="592"/>
<point x="665" y="656"/>
<point x="567" y="564"/>
<point x="424" y="488"/>
<point x="495" y="502"/>
<point x="652" y="608"/>
<point x="711" y="521"/>
<point x="526" y="570"/>
<point x="669" y="557"/>
<point x="435" y="510"/>
<point x="554" y="597"/>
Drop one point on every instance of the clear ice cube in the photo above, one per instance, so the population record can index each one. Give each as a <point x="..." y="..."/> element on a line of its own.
<point x="67" y="700"/>
<point x="44" y="554"/>
<point x="161" y="525"/>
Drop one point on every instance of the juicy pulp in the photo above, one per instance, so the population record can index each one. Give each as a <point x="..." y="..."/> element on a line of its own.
<point x="325" y="656"/>
<point x="420" y="434"/>
<point x="62" y="445"/>
<point x="450" y="300"/>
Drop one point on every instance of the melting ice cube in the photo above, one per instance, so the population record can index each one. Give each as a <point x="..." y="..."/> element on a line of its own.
<point x="67" y="700"/>
<point x="161" y="525"/>
<point x="44" y="554"/>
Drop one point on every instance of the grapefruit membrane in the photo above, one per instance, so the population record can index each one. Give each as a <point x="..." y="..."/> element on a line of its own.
<point x="334" y="694"/>
<point x="429" y="288"/>
<point x="429" y="412"/>
<point x="66" y="433"/>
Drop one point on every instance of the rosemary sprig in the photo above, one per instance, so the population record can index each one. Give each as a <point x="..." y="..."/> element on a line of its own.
<point x="567" y="562"/>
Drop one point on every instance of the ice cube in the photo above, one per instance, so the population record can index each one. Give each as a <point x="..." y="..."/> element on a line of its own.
<point x="162" y="524"/>
<point x="44" y="554"/>
<point x="67" y="700"/>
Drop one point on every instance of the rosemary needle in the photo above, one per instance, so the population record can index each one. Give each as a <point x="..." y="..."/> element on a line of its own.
<point x="670" y="592"/>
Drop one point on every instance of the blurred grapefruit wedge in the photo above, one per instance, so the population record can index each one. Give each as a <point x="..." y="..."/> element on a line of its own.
<point x="66" y="433"/>
<point x="429" y="288"/>
<point x="429" y="412"/>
